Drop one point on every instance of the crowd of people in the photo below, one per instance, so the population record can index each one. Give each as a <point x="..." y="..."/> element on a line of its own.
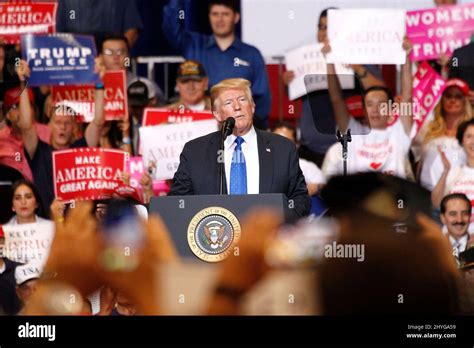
<point x="302" y="161"/>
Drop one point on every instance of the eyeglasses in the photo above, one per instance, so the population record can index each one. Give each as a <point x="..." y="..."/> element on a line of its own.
<point x="457" y="96"/>
<point x="118" y="53"/>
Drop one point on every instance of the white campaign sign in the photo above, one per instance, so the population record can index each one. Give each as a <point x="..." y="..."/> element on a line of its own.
<point x="308" y="60"/>
<point x="366" y="36"/>
<point x="162" y="144"/>
<point x="28" y="242"/>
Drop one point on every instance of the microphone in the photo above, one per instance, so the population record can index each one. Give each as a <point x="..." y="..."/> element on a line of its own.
<point x="228" y="127"/>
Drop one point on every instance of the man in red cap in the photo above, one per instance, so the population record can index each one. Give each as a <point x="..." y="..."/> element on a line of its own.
<point x="11" y="143"/>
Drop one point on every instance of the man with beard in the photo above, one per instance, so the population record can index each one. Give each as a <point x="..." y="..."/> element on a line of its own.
<point x="455" y="215"/>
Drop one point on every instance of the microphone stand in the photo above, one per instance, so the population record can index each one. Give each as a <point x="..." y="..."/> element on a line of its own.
<point x="344" y="139"/>
<point x="221" y="162"/>
<point x="227" y="129"/>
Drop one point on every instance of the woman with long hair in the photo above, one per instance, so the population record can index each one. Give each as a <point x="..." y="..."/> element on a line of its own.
<point x="26" y="203"/>
<point x="453" y="109"/>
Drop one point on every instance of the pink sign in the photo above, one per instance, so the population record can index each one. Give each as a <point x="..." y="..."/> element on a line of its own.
<point x="437" y="30"/>
<point x="428" y="86"/>
<point x="135" y="167"/>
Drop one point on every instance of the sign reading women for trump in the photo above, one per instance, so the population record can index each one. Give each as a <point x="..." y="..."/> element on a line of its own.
<point x="309" y="60"/>
<point x="437" y="30"/>
<point x="87" y="173"/>
<point x="81" y="98"/>
<point x="28" y="242"/>
<point x="162" y="145"/>
<point x="156" y="116"/>
<point x="428" y="87"/>
<point x="60" y="59"/>
<point x="26" y="18"/>
<point x="366" y="36"/>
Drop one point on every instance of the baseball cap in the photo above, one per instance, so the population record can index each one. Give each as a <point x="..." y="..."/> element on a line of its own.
<point x="12" y="96"/>
<point x="140" y="92"/>
<point x="27" y="272"/>
<point x="355" y="106"/>
<point x="463" y="86"/>
<point x="191" y="70"/>
<point x="128" y="192"/>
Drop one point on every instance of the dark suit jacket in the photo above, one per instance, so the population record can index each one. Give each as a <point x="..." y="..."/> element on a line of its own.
<point x="462" y="64"/>
<point x="198" y="171"/>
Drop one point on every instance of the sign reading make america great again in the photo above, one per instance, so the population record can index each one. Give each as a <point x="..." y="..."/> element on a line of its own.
<point x="87" y="173"/>
<point x="26" y="18"/>
<point x="60" y="59"/>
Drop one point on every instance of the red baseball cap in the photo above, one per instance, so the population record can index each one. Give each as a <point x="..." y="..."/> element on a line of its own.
<point x="127" y="192"/>
<point x="12" y="96"/>
<point x="355" y="106"/>
<point x="463" y="86"/>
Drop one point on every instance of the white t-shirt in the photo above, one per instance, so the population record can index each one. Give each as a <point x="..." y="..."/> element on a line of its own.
<point x="312" y="174"/>
<point x="432" y="166"/>
<point x="378" y="150"/>
<point x="461" y="180"/>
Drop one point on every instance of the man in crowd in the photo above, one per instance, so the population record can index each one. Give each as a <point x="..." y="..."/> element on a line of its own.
<point x="255" y="161"/>
<point x="140" y="95"/>
<point x="115" y="51"/>
<point x="313" y="176"/>
<point x="222" y="54"/>
<point x="455" y="215"/>
<point x="316" y="122"/>
<point x="26" y="277"/>
<point x="39" y="153"/>
<point x="191" y="83"/>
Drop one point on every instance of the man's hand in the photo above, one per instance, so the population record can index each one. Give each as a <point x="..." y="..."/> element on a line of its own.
<point x="23" y="70"/>
<point x="57" y="209"/>
<point x="99" y="67"/>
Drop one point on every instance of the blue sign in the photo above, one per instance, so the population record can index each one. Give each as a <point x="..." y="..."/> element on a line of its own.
<point x="60" y="59"/>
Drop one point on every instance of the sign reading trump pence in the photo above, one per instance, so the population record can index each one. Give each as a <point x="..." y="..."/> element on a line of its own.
<point x="309" y="60"/>
<point x="60" y="59"/>
<point x="162" y="144"/>
<point x="439" y="30"/>
<point x="366" y="36"/>
<point x="26" y="18"/>
<point x="87" y="173"/>
<point x="28" y="242"/>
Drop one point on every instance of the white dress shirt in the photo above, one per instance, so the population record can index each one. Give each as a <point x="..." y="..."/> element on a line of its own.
<point x="250" y="150"/>
<point x="461" y="243"/>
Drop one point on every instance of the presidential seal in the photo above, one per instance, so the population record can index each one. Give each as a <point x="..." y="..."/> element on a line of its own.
<point x="213" y="233"/>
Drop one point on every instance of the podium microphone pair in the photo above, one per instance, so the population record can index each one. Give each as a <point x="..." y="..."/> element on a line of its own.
<point x="227" y="129"/>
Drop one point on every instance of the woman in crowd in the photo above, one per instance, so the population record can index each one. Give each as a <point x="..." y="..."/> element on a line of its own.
<point x="116" y="135"/>
<point x="458" y="178"/>
<point x="453" y="109"/>
<point x="26" y="203"/>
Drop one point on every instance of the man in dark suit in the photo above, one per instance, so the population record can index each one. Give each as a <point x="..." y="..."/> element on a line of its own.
<point x="462" y="67"/>
<point x="255" y="161"/>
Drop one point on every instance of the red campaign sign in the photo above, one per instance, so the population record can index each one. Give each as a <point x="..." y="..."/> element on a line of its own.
<point x="26" y="18"/>
<point x="81" y="98"/>
<point x="156" y="116"/>
<point x="87" y="173"/>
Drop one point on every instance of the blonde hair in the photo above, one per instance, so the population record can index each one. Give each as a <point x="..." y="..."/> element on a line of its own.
<point x="437" y="127"/>
<point x="237" y="83"/>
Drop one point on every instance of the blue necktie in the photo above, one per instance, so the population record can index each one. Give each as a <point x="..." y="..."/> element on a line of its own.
<point x="238" y="170"/>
